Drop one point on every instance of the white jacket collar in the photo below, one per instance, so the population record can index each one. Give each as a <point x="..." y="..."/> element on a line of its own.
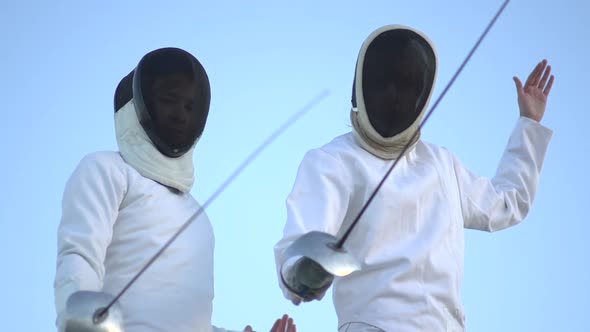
<point x="139" y="152"/>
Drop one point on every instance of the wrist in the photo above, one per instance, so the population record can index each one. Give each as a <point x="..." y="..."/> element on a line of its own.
<point x="536" y="118"/>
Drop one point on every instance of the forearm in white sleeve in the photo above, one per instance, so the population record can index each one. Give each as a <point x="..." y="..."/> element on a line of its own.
<point x="506" y="199"/>
<point x="317" y="202"/>
<point x="89" y="209"/>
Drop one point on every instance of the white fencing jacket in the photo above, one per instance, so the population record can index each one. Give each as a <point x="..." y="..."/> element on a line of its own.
<point x="114" y="220"/>
<point x="410" y="240"/>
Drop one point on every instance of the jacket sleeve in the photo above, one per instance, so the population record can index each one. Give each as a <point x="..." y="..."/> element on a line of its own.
<point x="90" y="207"/>
<point x="505" y="200"/>
<point x="318" y="202"/>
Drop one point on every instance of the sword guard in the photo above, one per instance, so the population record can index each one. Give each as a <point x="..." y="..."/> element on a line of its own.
<point x="311" y="263"/>
<point x="84" y="313"/>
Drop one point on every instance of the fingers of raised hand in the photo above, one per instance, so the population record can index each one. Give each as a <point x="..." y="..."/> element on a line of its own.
<point x="540" y="78"/>
<point x="548" y="87"/>
<point x="545" y="82"/>
<point x="534" y="76"/>
<point x="290" y="326"/>
<point x="546" y="72"/>
<point x="518" y="84"/>
<point x="285" y="324"/>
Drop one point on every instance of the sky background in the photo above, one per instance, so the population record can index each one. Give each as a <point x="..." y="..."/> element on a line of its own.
<point x="60" y="62"/>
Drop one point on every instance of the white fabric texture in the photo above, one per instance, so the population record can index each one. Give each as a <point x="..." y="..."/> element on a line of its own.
<point x="359" y="327"/>
<point x="367" y="136"/>
<point x="113" y="221"/>
<point x="410" y="239"/>
<point x="139" y="151"/>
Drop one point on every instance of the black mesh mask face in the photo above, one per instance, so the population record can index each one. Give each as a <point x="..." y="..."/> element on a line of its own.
<point x="171" y="93"/>
<point x="398" y="74"/>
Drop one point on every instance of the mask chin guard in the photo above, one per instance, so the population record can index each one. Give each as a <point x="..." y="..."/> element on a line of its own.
<point x="321" y="248"/>
<point x="83" y="310"/>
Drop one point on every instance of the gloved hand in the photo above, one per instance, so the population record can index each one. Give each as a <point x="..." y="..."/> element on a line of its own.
<point x="307" y="280"/>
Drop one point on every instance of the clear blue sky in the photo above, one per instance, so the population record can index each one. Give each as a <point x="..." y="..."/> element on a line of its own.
<point x="61" y="60"/>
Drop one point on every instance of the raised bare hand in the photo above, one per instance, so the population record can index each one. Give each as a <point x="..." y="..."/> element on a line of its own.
<point x="283" y="324"/>
<point x="532" y="97"/>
